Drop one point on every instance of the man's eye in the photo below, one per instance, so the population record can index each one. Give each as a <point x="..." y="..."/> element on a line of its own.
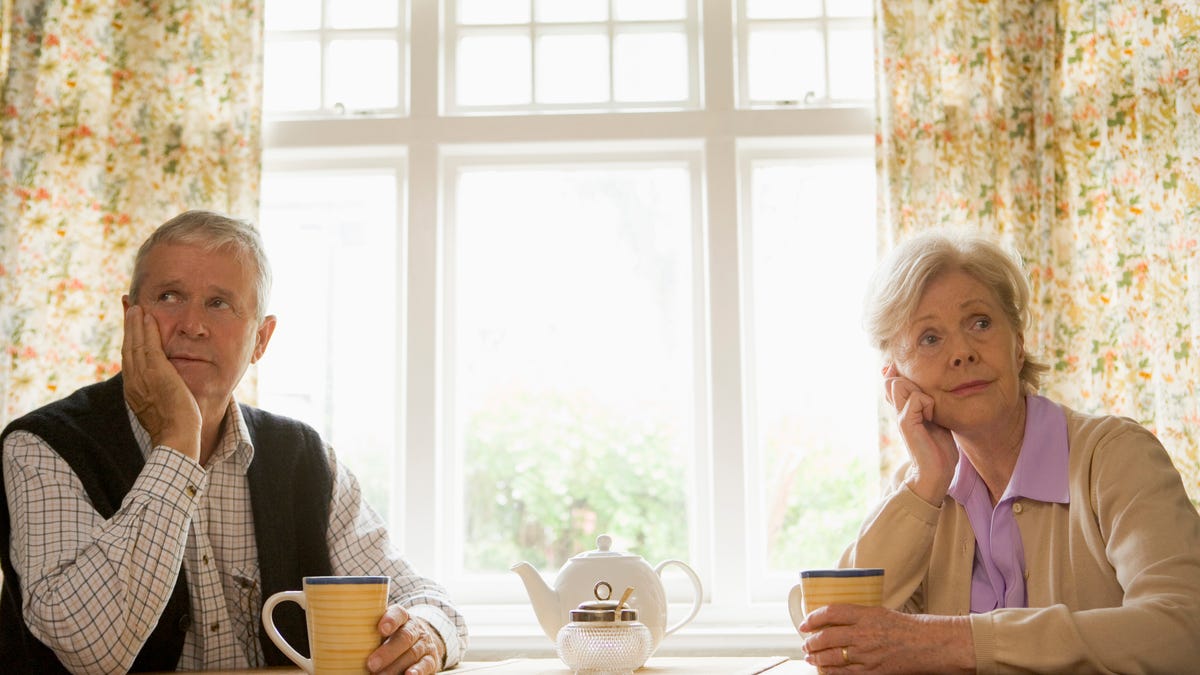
<point x="218" y="303"/>
<point x="168" y="296"/>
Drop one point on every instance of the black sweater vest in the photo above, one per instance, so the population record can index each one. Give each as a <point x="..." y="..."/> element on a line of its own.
<point x="290" y="491"/>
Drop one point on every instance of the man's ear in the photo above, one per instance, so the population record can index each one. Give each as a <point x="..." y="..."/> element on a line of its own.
<point x="262" y="337"/>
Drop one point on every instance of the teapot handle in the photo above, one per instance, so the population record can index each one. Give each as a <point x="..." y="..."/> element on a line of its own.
<point x="697" y="599"/>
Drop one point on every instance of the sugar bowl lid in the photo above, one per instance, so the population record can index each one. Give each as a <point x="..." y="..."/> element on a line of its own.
<point x="604" y="609"/>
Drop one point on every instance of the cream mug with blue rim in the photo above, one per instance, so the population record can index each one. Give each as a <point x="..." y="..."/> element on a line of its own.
<point x="343" y="622"/>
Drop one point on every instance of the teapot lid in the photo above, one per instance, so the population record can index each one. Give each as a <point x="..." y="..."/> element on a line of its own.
<point x="603" y="550"/>
<point x="603" y="608"/>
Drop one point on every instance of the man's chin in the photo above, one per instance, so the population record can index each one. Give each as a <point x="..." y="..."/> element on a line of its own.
<point x="204" y="390"/>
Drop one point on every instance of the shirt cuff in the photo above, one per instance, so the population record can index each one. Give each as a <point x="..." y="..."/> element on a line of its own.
<point x="445" y="628"/>
<point x="172" y="478"/>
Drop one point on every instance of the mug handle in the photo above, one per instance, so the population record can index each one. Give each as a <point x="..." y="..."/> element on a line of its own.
<point x="697" y="599"/>
<point x="268" y="622"/>
<point x="796" y="605"/>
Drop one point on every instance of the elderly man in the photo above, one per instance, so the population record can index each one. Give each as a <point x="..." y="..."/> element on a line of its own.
<point x="150" y="515"/>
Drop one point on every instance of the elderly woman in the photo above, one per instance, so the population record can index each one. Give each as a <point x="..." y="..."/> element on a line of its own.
<point x="1021" y="535"/>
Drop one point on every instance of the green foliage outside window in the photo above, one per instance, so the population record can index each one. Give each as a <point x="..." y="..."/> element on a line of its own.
<point x="546" y="473"/>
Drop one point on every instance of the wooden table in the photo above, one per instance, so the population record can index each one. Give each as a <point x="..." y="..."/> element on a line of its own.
<point x="708" y="665"/>
<point x="667" y="665"/>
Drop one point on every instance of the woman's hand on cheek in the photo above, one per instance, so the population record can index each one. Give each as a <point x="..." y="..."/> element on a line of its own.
<point x="931" y="447"/>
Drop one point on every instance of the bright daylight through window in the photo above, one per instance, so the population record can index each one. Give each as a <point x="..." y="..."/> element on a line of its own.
<point x="548" y="269"/>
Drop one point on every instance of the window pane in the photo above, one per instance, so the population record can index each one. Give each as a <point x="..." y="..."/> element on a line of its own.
<point x="815" y="375"/>
<point x="650" y="10"/>
<point x="785" y="9"/>
<point x="331" y="241"/>
<point x="651" y="67"/>
<point x="786" y="65"/>
<point x="856" y="8"/>
<point x="852" y="63"/>
<point x="572" y="10"/>
<point x="493" y="70"/>
<point x="291" y="75"/>
<point x="573" y="361"/>
<point x="292" y="14"/>
<point x="364" y="13"/>
<point x="572" y="69"/>
<point x="493" y="11"/>
<point x="363" y="74"/>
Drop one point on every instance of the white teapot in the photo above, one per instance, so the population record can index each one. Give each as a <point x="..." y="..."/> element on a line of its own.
<point x="579" y="576"/>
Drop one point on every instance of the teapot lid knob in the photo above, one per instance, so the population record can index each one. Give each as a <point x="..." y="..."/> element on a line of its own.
<point x="604" y="542"/>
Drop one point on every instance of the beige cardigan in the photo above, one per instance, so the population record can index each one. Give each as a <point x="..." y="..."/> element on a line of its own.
<point x="1113" y="578"/>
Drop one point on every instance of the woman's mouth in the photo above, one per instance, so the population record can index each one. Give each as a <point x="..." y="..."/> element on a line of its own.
<point x="968" y="388"/>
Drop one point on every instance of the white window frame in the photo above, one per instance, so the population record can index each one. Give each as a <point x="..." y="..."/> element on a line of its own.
<point x="534" y="28"/>
<point x="822" y="24"/>
<point x="324" y="36"/>
<point x="719" y="138"/>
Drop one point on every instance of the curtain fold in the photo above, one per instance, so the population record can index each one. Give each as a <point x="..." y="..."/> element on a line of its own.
<point x="1071" y="130"/>
<point x="115" y="116"/>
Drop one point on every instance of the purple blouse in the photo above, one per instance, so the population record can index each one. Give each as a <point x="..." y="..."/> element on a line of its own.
<point x="998" y="574"/>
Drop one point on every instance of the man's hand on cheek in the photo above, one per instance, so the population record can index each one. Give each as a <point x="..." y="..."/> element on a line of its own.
<point x="411" y="646"/>
<point x="154" y="390"/>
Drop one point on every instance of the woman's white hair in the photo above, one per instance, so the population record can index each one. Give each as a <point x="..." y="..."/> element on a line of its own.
<point x="904" y="274"/>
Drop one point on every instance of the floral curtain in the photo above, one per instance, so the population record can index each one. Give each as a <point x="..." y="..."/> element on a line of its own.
<point x="116" y="115"/>
<point x="1071" y="130"/>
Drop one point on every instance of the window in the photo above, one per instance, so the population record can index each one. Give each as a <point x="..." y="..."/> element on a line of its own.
<point x="570" y="54"/>
<point x="571" y="294"/>
<point x="550" y="296"/>
<point x="332" y="58"/>
<point x="809" y="254"/>
<point x="805" y="52"/>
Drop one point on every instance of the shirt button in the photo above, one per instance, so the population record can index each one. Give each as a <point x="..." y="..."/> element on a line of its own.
<point x="191" y="490"/>
<point x="205" y="560"/>
<point x="215" y="627"/>
<point x="1017" y="508"/>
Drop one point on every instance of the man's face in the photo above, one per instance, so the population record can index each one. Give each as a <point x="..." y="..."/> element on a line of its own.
<point x="205" y="306"/>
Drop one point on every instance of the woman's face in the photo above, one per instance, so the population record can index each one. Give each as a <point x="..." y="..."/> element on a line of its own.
<point x="961" y="350"/>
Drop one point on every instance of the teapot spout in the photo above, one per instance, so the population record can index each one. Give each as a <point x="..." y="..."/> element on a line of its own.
<point x="543" y="598"/>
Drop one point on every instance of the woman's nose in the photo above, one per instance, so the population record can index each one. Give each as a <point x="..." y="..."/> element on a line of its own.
<point x="963" y="352"/>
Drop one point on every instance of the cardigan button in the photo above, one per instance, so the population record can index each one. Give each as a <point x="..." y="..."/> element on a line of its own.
<point x="185" y="622"/>
<point x="191" y="490"/>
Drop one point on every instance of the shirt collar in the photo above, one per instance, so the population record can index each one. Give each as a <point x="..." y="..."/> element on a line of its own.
<point x="234" y="444"/>
<point x="1041" y="470"/>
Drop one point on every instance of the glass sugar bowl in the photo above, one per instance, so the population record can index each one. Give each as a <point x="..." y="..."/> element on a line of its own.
<point x="604" y="637"/>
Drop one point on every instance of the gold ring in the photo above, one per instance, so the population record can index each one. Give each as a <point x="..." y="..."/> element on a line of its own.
<point x="845" y="656"/>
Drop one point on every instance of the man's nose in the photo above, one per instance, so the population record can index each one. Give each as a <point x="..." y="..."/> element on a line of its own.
<point x="193" y="322"/>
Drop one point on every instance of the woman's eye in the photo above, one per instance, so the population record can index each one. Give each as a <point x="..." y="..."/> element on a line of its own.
<point x="927" y="340"/>
<point x="983" y="323"/>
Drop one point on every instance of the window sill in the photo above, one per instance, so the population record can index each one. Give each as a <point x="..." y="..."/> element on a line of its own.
<point x="503" y="632"/>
